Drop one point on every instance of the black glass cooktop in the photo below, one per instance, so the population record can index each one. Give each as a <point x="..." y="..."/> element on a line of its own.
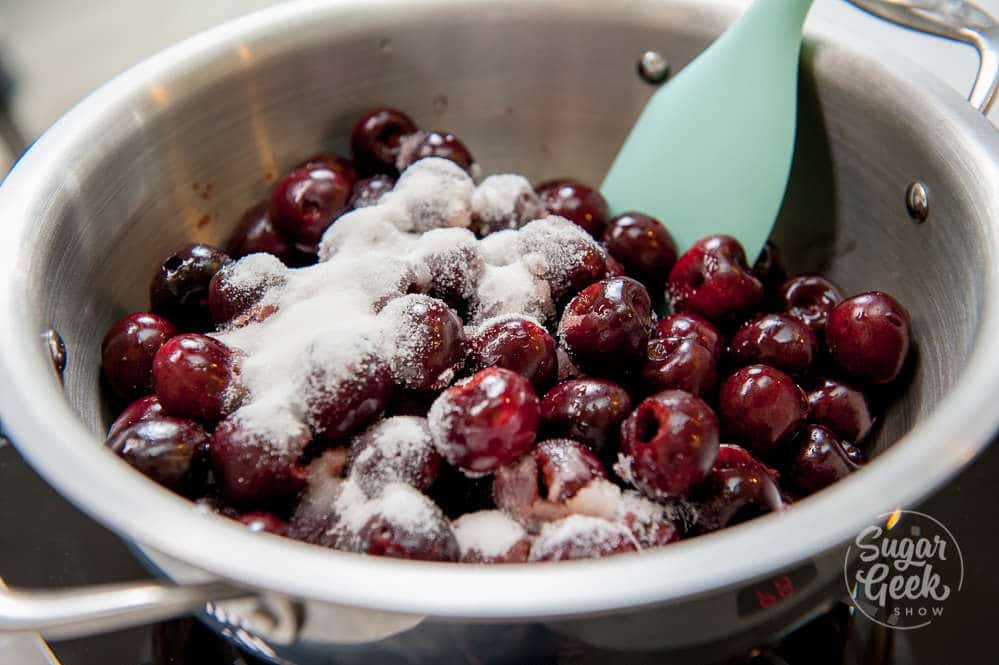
<point x="44" y="541"/>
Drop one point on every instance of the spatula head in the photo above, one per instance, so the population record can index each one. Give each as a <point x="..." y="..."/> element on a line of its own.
<point x="711" y="151"/>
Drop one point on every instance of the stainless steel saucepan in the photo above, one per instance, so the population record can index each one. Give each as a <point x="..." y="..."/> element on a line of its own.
<point x="540" y="87"/>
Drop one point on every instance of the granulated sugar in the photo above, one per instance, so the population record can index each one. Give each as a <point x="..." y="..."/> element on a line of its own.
<point x="490" y="533"/>
<point x="579" y="534"/>
<point x="326" y="317"/>
<point x="504" y="201"/>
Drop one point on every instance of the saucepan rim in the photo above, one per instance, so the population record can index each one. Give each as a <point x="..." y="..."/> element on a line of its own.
<point x="50" y="435"/>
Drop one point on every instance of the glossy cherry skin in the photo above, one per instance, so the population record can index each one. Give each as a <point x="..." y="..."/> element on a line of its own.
<point x="713" y="280"/>
<point x="428" y="342"/>
<point x="306" y="201"/>
<point x="341" y="403"/>
<point x="518" y="345"/>
<point x="576" y="202"/>
<point x="143" y="408"/>
<point x="128" y="350"/>
<point x="607" y="324"/>
<point x="179" y="291"/>
<point x="810" y="298"/>
<point x="681" y="364"/>
<point x="778" y="340"/>
<point x="485" y="421"/>
<point x="255" y="234"/>
<point x="738" y="486"/>
<point x="253" y="468"/>
<point x="668" y="444"/>
<point x="821" y="459"/>
<point x="761" y="407"/>
<point x="869" y="336"/>
<point x="614" y="267"/>
<point x="842" y="408"/>
<point x="643" y="245"/>
<point x="692" y="327"/>
<point x="192" y="374"/>
<point x="164" y="449"/>
<point x="421" y="145"/>
<point x="263" y="522"/>
<point x="587" y="410"/>
<point x="369" y="191"/>
<point x="376" y="138"/>
<point x="394" y="450"/>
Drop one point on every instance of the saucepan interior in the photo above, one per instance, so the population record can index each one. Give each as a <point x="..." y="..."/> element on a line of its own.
<point x="176" y="149"/>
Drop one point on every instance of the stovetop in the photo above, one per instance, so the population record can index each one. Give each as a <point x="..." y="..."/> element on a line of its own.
<point x="46" y="542"/>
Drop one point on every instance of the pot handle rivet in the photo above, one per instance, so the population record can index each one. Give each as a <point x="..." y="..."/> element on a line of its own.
<point x="917" y="201"/>
<point x="57" y="350"/>
<point x="653" y="67"/>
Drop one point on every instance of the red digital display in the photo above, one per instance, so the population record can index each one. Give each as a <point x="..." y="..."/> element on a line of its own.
<point x="768" y="593"/>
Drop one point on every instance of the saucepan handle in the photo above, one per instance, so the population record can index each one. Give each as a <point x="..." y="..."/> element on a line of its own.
<point x="958" y="20"/>
<point x="69" y="613"/>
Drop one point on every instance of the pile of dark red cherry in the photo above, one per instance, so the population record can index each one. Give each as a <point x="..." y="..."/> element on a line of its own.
<point x="602" y="435"/>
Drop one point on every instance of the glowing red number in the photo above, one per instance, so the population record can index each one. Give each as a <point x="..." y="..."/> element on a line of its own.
<point x="765" y="599"/>
<point x="784" y="586"/>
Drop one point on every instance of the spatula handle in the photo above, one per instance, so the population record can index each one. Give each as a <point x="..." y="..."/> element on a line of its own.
<point x="958" y="20"/>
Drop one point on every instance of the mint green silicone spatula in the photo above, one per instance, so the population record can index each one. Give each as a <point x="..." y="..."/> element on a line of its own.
<point x="711" y="151"/>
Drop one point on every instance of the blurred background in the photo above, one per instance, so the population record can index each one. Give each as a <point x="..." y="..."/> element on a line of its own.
<point x="57" y="51"/>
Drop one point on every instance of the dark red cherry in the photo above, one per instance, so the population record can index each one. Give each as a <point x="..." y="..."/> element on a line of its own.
<point x="263" y="522"/>
<point x="422" y="144"/>
<point x="394" y="450"/>
<point x="869" y="336"/>
<point x="810" y="298"/>
<point x="761" y="407"/>
<point x="516" y="344"/>
<point x="643" y="245"/>
<point x="256" y="234"/>
<point x="842" y="408"/>
<point x="192" y="375"/>
<point x="820" y="461"/>
<point x="331" y="161"/>
<point x="238" y="287"/>
<point x="343" y="396"/>
<point x="389" y="534"/>
<point x="376" y="138"/>
<point x="607" y="325"/>
<point x="143" y="408"/>
<point x="369" y="191"/>
<point x="427" y="347"/>
<point x="778" y="340"/>
<point x="681" y="364"/>
<point x="485" y="421"/>
<point x="470" y="528"/>
<point x="668" y="444"/>
<point x="738" y="487"/>
<point x="581" y="537"/>
<point x="586" y="410"/>
<point x="694" y="328"/>
<point x="306" y="201"/>
<point x="562" y="255"/>
<point x="128" y="350"/>
<point x="713" y="280"/>
<point x="164" y="449"/>
<point x="576" y="202"/>
<point x="257" y="464"/>
<point x="179" y="291"/>
<point x="651" y="523"/>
